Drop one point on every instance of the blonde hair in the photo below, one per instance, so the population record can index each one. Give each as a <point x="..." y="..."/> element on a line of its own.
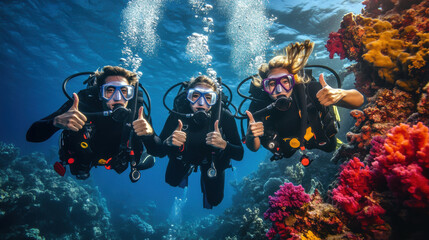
<point x="293" y="59"/>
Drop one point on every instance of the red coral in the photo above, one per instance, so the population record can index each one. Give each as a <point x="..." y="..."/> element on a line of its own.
<point x="359" y="116"/>
<point x="354" y="195"/>
<point x="354" y="186"/>
<point x="335" y="45"/>
<point x="362" y="139"/>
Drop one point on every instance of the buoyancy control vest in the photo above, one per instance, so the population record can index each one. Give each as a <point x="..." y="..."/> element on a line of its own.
<point x="81" y="150"/>
<point x="317" y="123"/>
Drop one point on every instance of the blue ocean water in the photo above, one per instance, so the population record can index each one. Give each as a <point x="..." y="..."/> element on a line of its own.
<point x="43" y="42"/>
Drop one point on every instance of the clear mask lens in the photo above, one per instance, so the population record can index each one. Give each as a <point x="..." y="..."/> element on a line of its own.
<point x="109" y="91"/>
<point x="208" y="97"/>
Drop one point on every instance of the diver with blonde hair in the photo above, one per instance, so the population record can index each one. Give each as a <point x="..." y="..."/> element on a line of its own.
<point x="291" y="111"/>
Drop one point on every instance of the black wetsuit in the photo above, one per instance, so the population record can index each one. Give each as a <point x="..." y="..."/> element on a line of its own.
<point x="284" y="126"/>
<point x="195" y="152"/>
<point x="106" y="137"/>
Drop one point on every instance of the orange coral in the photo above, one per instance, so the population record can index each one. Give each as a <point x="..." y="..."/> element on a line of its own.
<point x="391" y="37"/>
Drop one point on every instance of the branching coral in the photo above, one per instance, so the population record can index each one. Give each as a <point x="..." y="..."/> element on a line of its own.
<point x="384" y="110"/>
<point x="359" y="116"/>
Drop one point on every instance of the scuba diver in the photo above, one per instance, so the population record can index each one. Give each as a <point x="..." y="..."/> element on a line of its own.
<point x="200" y="132"/>
<point x="288" y="111"/>
<point x="100" y="125"/>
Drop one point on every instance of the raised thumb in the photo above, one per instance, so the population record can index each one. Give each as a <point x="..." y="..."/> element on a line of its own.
<point x="250" y="116"/>
<point x="75" y="102"/>
<point x="322" y="81"/>
<point x="216" y="126"/>
<point x="179" y="126"/>
<point x="141" y="109"/>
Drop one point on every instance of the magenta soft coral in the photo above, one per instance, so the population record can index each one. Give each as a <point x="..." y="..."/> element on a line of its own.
<point x="286" y="200"/>
<point x="354" y="194"/>
<point x="403" y="160"/>
<point x="355" y="184"/>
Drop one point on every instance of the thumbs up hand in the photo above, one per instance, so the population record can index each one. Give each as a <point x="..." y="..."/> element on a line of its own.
<point x="328" y="95"/>
<point x="177" y="138"/>
<point x="141" y="126"/>
<point x="73" y="119"/>
<point x="215" y="139"/>
<point x="255" y="129"/>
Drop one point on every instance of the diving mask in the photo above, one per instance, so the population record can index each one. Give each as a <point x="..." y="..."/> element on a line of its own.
<point x="278" y="82"/>
<point x="117" y="91"/>
<point x="202" y="96"/>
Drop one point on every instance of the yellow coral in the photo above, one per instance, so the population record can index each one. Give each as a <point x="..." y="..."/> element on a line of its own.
<point x="382" y="26"/>
<point x="309" y="236"/>
<point x="408" y="85"/>
<point x="385" y="48"/>
<point x="384" y="51"/>
<point x="418" y="54"/>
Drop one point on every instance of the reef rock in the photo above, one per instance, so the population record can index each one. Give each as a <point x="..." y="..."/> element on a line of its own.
<point x="36" y="203"/>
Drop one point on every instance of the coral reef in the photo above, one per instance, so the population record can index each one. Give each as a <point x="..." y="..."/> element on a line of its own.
<point x="36" y="203"/>
<point x="354" y="195"/>
<point x="403" y="160"/>
<point x="8" y="152"/>
<point x="140" y="227"/>
<point x="390" y="40"/>
<point x="252" y="226"/>
<point x="389" y="43"/>
<point x="386" y="109"/>
<point x="295" y="173"/>
<point x="296" y="215"/>
<point x="252" y="194"/>
<point x="287" y="200"/>
<point x="390" y="189"/>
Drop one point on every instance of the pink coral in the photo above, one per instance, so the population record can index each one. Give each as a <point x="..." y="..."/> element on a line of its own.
<point x="404" y="162"/>
<point x="286" y="200"/>
<point x="354" y="186"/>
<point x="354" y="195"/>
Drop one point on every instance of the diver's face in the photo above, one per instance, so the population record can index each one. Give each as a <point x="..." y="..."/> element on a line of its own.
<point x="279" y="91"/>
<point x="200" y="103"/>
<point x="119" y="80"/>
